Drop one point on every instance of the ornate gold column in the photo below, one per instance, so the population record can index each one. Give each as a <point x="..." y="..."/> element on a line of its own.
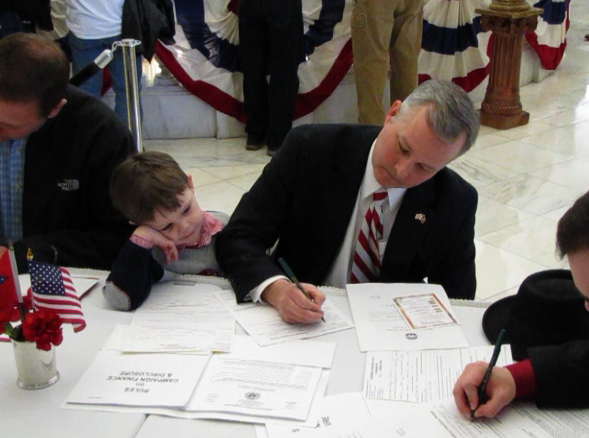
<point x="509" y="20"/>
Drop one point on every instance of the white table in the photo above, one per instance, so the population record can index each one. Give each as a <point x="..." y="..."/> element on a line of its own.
<point x="38" y="413"/>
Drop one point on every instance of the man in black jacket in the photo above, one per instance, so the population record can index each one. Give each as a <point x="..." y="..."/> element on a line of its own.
<point x="58" y="146"/>
<point x="314" y="196"/>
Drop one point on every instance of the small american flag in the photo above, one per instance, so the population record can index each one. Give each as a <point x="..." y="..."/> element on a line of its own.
<point x="53" y="289"/>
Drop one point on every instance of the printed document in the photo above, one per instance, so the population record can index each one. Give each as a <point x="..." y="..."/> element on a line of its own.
<point x="400" y="316"/>
<point x="162" y="380"/>
<point x="264" y="324"/>
<point x="421" y="376"/>
<point x="442" y="420"/>
<point x="256" y="388"/>
<point x="342" y="415"/>
<point x="177" y="318"/>
<point x="519" y="420"/>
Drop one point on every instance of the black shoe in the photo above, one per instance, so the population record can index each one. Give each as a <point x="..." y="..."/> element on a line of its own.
<point x="271" y="151"/>
<point x="253" y="144"/>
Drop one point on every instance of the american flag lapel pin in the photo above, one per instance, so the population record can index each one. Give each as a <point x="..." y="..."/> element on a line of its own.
<point x="420" y="217"/>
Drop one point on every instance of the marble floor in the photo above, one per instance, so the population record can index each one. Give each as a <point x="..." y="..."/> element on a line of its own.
<point x="526" y="176"/>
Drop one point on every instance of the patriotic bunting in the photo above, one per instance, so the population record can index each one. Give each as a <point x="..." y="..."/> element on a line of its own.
<point x="205" y="57"/>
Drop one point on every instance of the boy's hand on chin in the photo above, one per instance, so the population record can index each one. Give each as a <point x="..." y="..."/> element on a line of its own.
<point x="158" y="239"/>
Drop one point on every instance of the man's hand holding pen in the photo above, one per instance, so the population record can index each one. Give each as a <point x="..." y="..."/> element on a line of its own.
<point x="500" y="390"/>
<point x="292" y="304"/>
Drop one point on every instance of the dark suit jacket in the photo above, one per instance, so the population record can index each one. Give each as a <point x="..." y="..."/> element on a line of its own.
<point x="305" y="198"/>
<point x="560" y="372"/>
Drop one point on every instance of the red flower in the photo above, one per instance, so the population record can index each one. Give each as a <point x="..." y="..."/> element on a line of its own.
<point x="43" y="327"/>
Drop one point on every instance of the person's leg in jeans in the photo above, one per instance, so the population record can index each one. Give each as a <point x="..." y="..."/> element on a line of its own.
<point x="83" y="53"/>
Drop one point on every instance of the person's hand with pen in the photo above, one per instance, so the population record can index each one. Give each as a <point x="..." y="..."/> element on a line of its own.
<point x="500" y="390"/>
<point x="291" y="302"/>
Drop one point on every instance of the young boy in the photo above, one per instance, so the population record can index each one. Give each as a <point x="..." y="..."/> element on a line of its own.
<point x="172" y="231"/>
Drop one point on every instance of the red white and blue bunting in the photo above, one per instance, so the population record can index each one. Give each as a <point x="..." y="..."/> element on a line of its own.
<point x="454" y="47"/>
<point x="205" y="60"/>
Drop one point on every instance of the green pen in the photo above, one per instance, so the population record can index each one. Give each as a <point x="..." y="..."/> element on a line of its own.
<point x="482" y="390"/>
<point x="294" y="280"/>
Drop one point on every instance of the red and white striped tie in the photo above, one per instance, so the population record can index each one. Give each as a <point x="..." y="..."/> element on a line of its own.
<point x="366" y="263"/>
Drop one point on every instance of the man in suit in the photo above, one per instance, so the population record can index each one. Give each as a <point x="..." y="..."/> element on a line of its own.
<point x="311" y="200"/>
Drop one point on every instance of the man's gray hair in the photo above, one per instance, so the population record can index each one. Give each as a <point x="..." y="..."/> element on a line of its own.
<point x="450" y="111"/>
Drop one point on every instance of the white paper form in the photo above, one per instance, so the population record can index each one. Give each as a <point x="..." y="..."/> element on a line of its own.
<point x="442" y="420"/>
<point x="400" y="316"/>
<point x="177" y="318"/>
<point x="139" y="379"/>
<point x="299" y="352"/>
<point x="264" y="324"/>
<point x="256" y="388"/>
<point x="343" y="416"/>
<point x="421" y="376"/>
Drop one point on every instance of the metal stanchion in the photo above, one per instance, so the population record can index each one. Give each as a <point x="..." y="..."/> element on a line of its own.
<point x="132" y="88"/>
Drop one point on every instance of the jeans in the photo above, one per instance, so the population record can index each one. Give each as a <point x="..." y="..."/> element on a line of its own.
<point x="85" y="51"/>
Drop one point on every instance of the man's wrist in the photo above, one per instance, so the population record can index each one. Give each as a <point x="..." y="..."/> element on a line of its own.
<point x="273" y="290"/>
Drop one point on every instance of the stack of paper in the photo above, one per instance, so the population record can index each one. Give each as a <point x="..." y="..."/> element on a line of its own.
<point x="252" y="384"/>
<point x="177" y="318"/>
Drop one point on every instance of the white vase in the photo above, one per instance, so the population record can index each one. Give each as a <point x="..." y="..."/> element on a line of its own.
<point x="36" y="368"/>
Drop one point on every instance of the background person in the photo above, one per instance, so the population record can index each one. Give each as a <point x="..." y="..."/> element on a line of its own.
<point x="385" y="34"/>
<point x="58" y="146"/>
<point x="94" y="26"/>
<point x="270" y="44"/>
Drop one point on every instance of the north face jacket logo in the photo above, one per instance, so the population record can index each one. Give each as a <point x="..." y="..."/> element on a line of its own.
<point x="69" y="185"/>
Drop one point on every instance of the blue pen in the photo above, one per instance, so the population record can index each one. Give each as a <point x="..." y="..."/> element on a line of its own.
<point x="294" y="280"/>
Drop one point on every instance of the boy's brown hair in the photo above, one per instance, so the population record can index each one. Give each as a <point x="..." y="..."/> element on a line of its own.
<point x="145" y="183"/>
<point x="572" y="232"/>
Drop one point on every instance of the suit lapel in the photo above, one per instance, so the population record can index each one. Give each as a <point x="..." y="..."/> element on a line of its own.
<point x="413" y="220"/>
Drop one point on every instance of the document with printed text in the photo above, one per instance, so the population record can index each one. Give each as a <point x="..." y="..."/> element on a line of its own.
<point x="400" y="316"/>
<point x="162" y="380"/>
<point x="421" y="376"/>
<point x="177" y="318"/>
<point x="256" y="388"/>
<point x="264" y="324"/>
